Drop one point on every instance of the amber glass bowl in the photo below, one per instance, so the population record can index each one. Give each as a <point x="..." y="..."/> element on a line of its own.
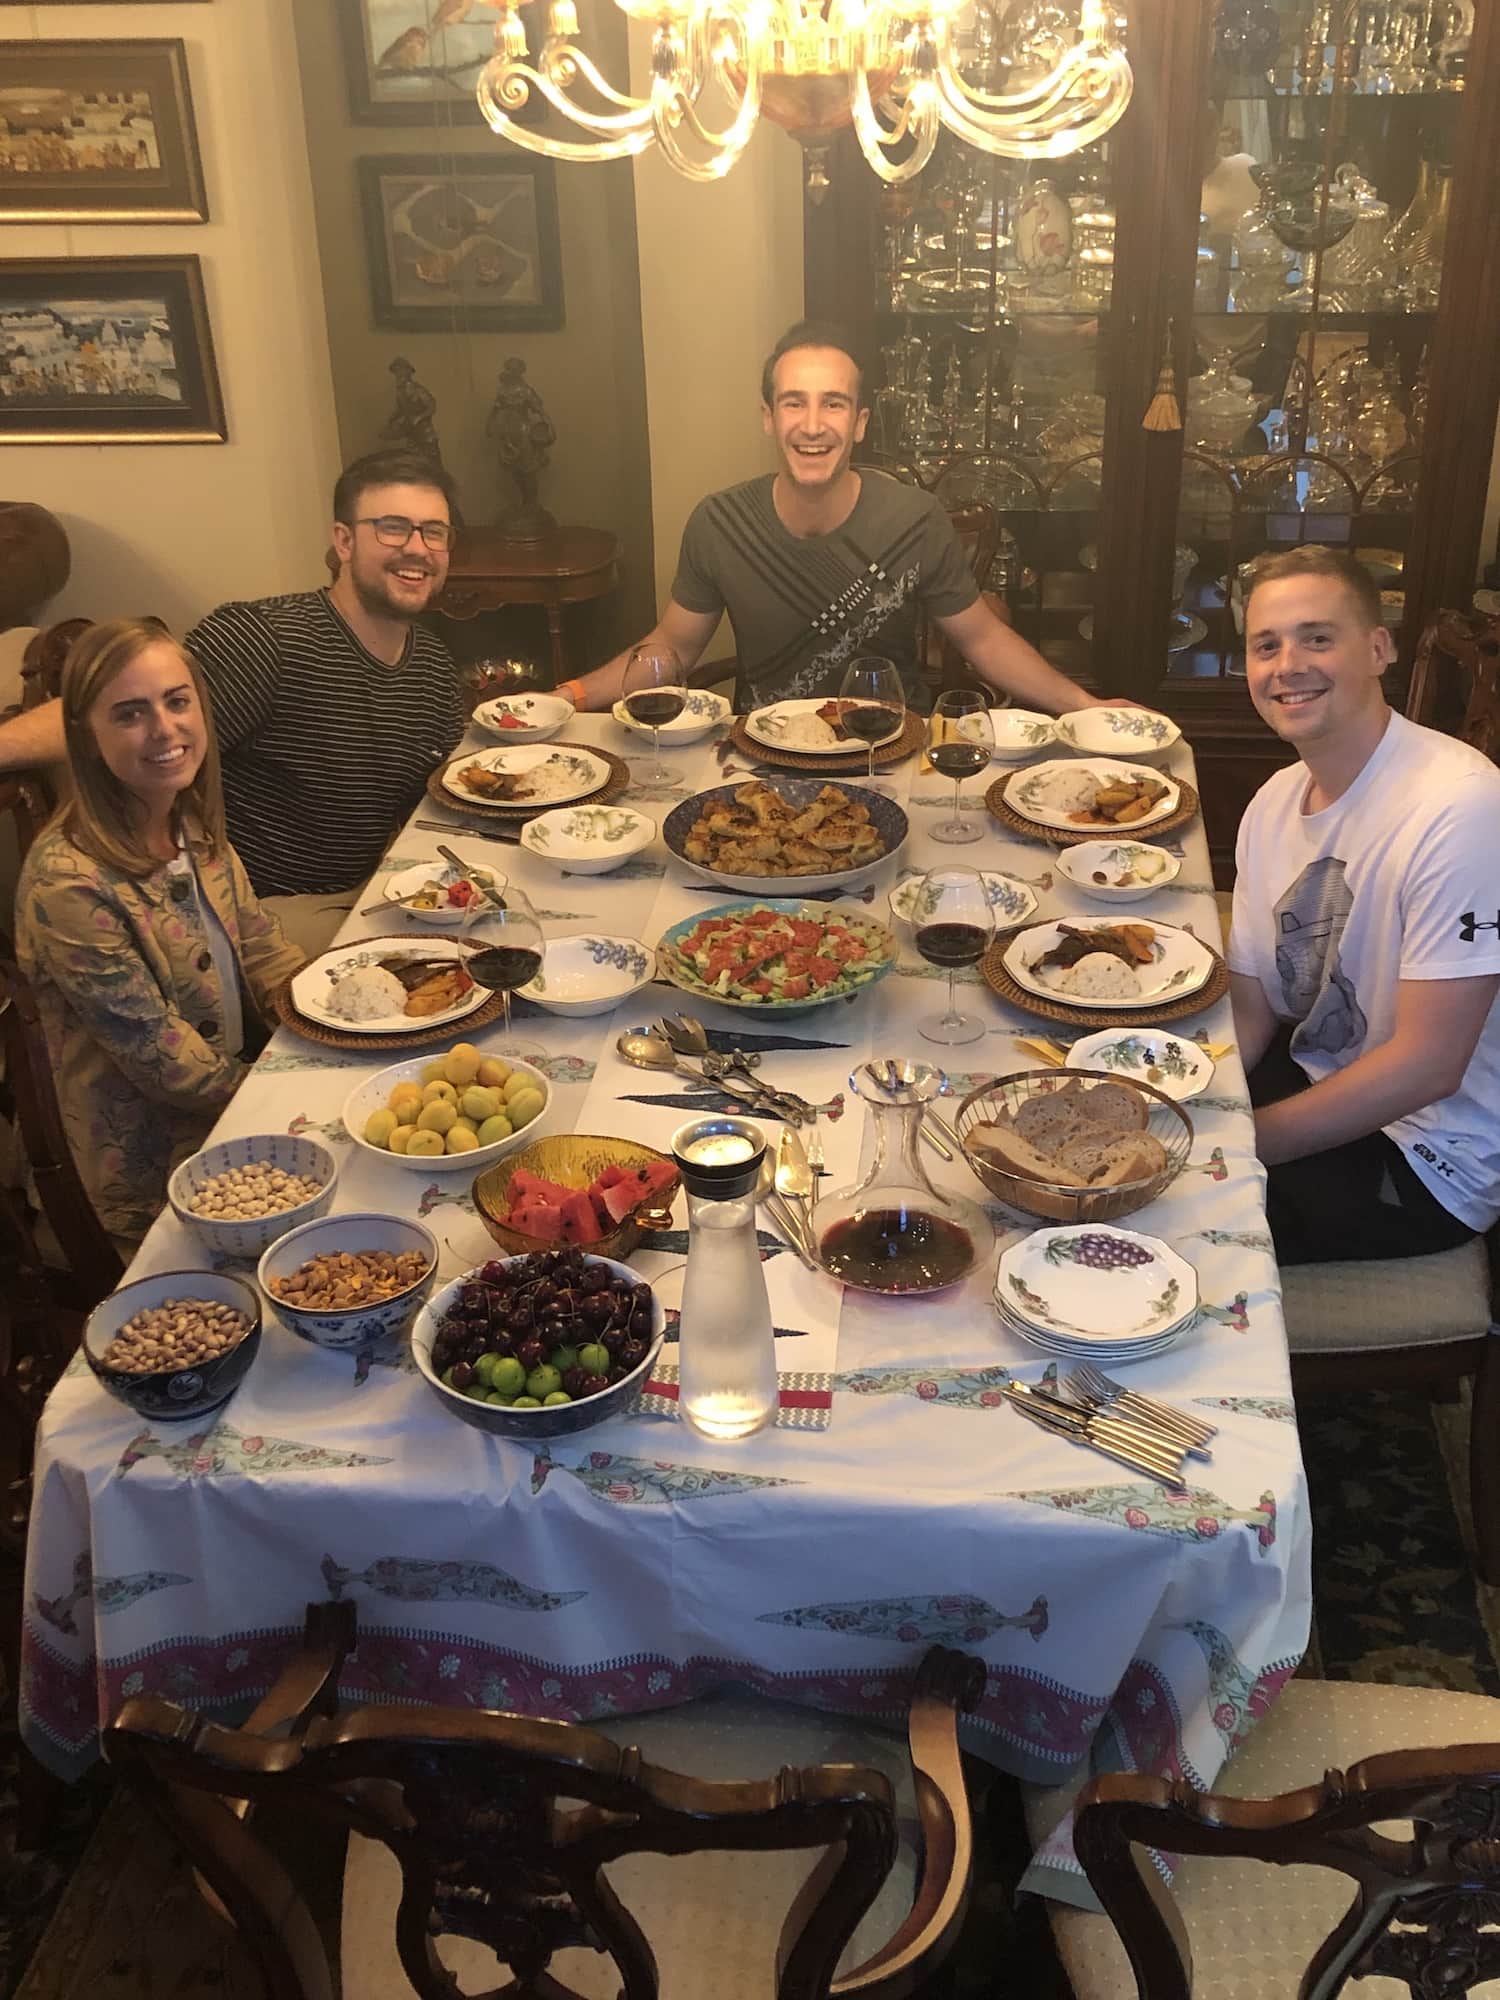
<point x="572" y="1159"/>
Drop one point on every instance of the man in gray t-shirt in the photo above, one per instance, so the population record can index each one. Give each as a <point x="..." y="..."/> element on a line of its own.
<point x="819" y="562"/>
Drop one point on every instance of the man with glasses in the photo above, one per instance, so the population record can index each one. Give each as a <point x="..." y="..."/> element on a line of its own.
<point x="330" y="706"/>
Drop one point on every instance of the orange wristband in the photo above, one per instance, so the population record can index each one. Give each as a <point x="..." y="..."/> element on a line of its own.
<point x="574" y="688"/>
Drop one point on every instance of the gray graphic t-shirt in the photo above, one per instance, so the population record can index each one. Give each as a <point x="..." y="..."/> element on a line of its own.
<point x="1397" y="880"/>
<point x="801" y="606"/>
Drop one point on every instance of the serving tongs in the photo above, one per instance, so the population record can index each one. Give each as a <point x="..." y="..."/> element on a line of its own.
<point x="1109" y="1435"/>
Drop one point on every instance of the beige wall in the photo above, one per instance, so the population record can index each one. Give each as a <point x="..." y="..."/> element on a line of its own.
<point x="1492" y="512"/>
<point x="589" y="373"/>
<point x="175" y="528"/>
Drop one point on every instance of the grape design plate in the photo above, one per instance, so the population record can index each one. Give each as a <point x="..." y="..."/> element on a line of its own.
<point x="1095" y="1282"/>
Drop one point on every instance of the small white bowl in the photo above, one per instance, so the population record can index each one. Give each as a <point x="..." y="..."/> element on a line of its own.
<point x="275" y="1149"/>
<point x="349" y="1326"/>
<point x="1114" y="859"/>
<point x="1118" y="732"/>
<point x="371" y="1095"/>
<point x="590" y="974"/>
<point x="588" y="840"/>
<point x="446" y="917"/>
<point x="1011" y="901"/>
<point x="542" y="716"/>
<point x="1020" y="733"/>
<point x="704" y="711"/>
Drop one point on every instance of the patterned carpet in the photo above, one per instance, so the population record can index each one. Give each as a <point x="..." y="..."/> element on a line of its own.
<point x="105" y="1915"/>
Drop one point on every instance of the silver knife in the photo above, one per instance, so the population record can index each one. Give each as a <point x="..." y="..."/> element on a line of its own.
<point x="471" y="832"/>
<point x="466" y="869"/>
<point x="1154" y="1435"/>
<point x="1125" y="1448"/>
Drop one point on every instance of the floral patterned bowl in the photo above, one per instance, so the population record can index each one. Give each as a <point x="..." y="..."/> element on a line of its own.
<point x="349" y="1326"/>
<point x="589" y="975"/>
<point x="703" y="711"/>
<point x="1118" y="732"/>
<point x="178" y="1393"/>
<point x="1117" y="871"/>
<point x="588" y="840"/>
<point x="314" y="1162"/>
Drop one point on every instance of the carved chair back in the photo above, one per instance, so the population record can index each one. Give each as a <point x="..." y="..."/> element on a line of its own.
<point x="1423" y="1907"/>
<point x="1455" y="683"/>
<point x="978" y="528"/>
<point x="42" y="662"/>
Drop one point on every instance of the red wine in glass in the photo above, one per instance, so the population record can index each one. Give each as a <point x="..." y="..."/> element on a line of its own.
<point x="504" y="967"/>
<point x="655" y="707"/>
<point x="958" y="760"/>
<point x="872" y="703"/>
<point x="948" y="944"/>
<point x="870" y="721"/>
<point x="952" y="926"/>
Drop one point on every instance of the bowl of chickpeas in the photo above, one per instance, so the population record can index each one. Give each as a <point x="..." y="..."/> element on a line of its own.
<point x="242" y="1194"/>
<point x="174" y="1345"/>
<point x="349" y="1280"/>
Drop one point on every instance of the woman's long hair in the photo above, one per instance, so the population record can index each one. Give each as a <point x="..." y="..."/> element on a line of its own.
<point x="104" y="817"/>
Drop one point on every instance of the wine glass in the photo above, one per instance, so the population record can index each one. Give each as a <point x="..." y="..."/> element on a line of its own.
<point x="960" y="742"/>
<point x="953" y="923"/>
<point x="514" y="956"/>
<point x="657" y="694"/>
<point x="872" y="703"/>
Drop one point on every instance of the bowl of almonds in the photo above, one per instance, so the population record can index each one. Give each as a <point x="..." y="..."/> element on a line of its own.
<point x="176" y="1344"/>
<point x="349" y="1280"/>
<point x="242" y="1194"/>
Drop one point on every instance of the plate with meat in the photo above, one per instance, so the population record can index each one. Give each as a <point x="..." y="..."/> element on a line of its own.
<point x="386" y="986"/>
<point x="1108" y="965"/>
<point x="529" y="774"/>
<point x="776" y="955"/>
<point x="1077" y="794"/>
<point x="813" y="728"/>
<point x="799" y="834"/>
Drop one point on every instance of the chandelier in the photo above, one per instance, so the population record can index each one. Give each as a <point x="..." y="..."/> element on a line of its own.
<point x="891" y="68"/>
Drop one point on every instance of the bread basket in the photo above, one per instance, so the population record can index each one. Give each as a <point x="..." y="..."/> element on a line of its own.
<point x="573" y="1159"/>
<point x="1166" y="1121"/>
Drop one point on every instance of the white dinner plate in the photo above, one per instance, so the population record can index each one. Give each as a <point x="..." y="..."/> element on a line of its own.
<point x="1020" y="733"/>
<point x="1180" y="965"/>
<point x="553" y="777"/>
<point x="524" y="718"/>
<point x="777" y="725"/>
<point x="1093" y="1281"/>
<point x="1029" y="792"/>
<point x="1173" y="1063"/>
<point x="310" y="986"/>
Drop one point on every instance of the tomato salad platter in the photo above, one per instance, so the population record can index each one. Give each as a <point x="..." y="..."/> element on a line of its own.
<point x="777" y="956"/>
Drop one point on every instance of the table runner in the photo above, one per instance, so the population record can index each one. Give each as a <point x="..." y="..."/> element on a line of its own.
<point x="638" y="1564"/>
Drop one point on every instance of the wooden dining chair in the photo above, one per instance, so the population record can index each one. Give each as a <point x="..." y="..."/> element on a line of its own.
<point x="1455" y="682"/>
<point x="533" y="1840"/>
<point x="1379" y="1808"/>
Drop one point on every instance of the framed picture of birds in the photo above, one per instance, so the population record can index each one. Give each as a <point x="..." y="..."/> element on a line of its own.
<point x="409" y="59"/>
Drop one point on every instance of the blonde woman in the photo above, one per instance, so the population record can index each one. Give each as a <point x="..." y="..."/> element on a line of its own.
<point x="137" y="926"/>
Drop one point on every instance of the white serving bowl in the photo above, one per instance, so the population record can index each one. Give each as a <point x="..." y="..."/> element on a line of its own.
<point x="704" y="711"/>
<point x="543" y="714"/>
<point x="276" y="1149"/>
<point x="450" y="918"/>
<point x="588" y="840"/>
<point x="1020" y="733"/>
<point x="349" y="1326"/>
<point x="371" y="1095"/>
<point x="1113" y="859"/>
<point x="1118" y="732"/>
<point x="589" y="974"/>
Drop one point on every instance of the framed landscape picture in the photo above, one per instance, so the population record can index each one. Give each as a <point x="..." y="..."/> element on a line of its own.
<point x="107" y="350"/>
<point x="459" y="245"/>
<point x="98" y="132"/>
<point x="416" y="62"/>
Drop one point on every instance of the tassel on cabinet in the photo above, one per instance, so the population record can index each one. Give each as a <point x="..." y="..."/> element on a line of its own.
<point x="1163" y="412"/>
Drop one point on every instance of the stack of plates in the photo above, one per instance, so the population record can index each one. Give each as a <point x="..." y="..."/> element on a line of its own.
<point x="1095" y="1293"/>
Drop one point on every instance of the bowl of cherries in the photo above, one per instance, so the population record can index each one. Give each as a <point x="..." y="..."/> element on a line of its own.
<point x="540" y="1346"/>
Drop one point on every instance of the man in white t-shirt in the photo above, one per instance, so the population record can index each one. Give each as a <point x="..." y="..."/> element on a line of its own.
<point x="1365" y="950"/>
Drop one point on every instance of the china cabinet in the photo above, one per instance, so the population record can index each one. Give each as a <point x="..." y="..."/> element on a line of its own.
<point x="1295" y="233"/>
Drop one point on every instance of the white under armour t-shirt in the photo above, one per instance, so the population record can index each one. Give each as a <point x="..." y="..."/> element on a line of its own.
<point x="1397" y="880"/>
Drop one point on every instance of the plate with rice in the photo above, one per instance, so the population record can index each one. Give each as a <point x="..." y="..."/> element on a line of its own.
<point x="804" y="726"/>
<point x="1108" y="965"/>
<point x="532" y="774"/>
<point x="1083" y="793"/>
<point x="388" y="986"/>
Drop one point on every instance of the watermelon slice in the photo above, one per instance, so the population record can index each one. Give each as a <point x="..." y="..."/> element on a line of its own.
<point x="538" y="1218"/>
<point x="618" y="1201"/>
<point x="579" y="1222"/>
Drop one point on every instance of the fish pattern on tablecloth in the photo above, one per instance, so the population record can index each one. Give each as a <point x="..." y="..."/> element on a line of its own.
<point x="110" y="1593"/>
<point x="674" y="1243"/>
<point x="444" y="1194"/>
<point x="1236" y="1239"/>
<point x="394" y="1354"/>
<point x="673" y="1317"/>
<point x="1188" y="1513"/>
<point x="1214" y="1166"/>
<point x="426" y="1580"/>
<point x="1277" y="1409"/>
<point x="333" y="1129"/>
<point x="628" y="871"/>
<point x="910" y="1619"/>
<point x="1236" y="1314"/>
<point x="283" y="1062"/>
<point x="648" y="1482"/>
<point x="1214" y="1103"/>
<point x="1237" y="1696"/>
<point x="958" y="1388"/>
<point x="222" y="1449"/>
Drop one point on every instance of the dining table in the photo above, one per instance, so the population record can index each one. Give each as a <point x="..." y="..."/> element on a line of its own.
<point x="897" y="1501"/>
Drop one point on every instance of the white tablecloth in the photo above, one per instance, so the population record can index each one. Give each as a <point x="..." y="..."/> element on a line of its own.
<point x="639" y="1564"/>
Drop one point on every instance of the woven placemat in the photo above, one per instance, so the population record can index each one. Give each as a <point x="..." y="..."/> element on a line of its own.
<point x="1060" y="836"/>
<point x="999" y="981"/>
<point x="913" y="736"/>
<point x="613" y="786"/>
<point x="291" y="1017"/>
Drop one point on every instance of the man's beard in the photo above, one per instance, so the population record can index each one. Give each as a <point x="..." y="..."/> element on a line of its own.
<point x="377" y="600"/>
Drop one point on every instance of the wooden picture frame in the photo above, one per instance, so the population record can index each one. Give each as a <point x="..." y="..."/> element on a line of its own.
<point x="405" y="66"/>
<point x="107" y="350"/>
<point x="462" y="241"/>
<point x="98" y="131"/>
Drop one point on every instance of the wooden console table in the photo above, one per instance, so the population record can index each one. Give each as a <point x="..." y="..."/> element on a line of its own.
<point x="567" y="566"/>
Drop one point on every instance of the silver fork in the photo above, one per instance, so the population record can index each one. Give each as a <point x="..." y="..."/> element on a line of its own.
<point x="1094" y="1385"/>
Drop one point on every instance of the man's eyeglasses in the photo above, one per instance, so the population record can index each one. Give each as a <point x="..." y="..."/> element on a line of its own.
<point x="394" y="531"/>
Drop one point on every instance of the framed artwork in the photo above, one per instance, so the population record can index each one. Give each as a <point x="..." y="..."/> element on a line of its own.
<point x="416" y="62"/>
<point x="98" y="132"/>
<point x="458" y="244"/>
<point x="106" y="350"/>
